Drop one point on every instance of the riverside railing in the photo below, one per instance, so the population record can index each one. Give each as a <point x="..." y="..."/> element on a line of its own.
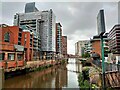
<point x="108" y="66"/>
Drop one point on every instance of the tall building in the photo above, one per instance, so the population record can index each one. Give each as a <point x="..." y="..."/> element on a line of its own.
<point x="58" y="38"/>
<point x="30" y="7"/>
<point x="42" y="25"/>
<point x="114" y="42"/>
<point x="96" y="44"/>
<point x="64" y="46"/>
<point x="48" y="33"/>
<point x="80" y="47"/>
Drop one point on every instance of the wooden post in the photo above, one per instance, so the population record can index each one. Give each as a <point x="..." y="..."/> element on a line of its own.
<point x="1" y="78"/>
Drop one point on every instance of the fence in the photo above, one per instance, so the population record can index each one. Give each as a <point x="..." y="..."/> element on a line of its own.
<point x="108" y="66"/>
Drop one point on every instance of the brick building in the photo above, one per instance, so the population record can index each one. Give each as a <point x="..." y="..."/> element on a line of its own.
<point x="14" y="39"/>
<point x="58" y="38"/>
<point x="64" y="46"/>
<point x="11" y="35"/>
<point x="96" y="44"/>
<point x="27" y="42"/>
<point x="11" y="54"/>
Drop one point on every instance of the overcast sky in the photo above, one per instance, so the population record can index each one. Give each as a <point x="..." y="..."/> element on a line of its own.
<point x="78" y="19"/>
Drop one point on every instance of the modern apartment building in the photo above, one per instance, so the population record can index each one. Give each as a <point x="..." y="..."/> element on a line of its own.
<point x="48" y="33"/>
<point x="42" y="25"/>
<point x="58" y="38"/>
<point x="96" y="44"/>
<point x="64" y="46"/>
<point x="88" y="47"/>
<point x="81" y="47"/>
<point x="114" y="42"/>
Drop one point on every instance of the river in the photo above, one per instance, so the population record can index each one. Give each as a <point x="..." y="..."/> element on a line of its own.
<point x="59" y="76"/>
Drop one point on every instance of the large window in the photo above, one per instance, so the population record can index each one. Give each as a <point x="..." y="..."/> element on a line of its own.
<point x="2" y="56"/>
<point x="7" y="37"/>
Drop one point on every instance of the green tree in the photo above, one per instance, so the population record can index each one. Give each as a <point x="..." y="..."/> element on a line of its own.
<point x="85" y="55"/>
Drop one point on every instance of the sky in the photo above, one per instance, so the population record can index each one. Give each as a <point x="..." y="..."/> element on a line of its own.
<point x="78" y="19"/>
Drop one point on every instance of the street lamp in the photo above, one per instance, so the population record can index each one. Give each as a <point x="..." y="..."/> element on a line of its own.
<point x="101" y="31"/>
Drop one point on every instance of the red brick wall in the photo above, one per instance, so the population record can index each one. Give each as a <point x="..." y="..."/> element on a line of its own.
<point x="96" y="47"/>
<point x="64" y="45"/>
<point x="25" y="41"/>
<point x="13" y="31"/>
<point x="25" y="35"/>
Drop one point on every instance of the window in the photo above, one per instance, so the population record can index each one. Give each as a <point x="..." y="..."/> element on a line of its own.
<point x="7" y="37"/>
<point x="15" y="17"/>
<point x="20" y="56"/>
<point x="11" y="56"/>
<point x="2" y="56"/>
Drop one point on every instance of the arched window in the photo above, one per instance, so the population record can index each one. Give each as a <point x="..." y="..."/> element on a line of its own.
<point x="7" y="37"/>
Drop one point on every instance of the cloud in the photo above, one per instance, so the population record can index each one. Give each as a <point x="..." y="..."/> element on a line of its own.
<point x="78" y="19"/>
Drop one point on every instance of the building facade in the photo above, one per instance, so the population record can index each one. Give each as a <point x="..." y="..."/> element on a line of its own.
<point x="88" y="47"/>
<point x="30" y="22"/>
<point x="96" y="44"/>
<point x="42" y="25"/>
<point x="11" y="54"/>
<point x="48" y="33"/>
<point x="64" y="46"/>
<point x="27" y="42"/>
<point x="114" y="42"/>
<point x="58" y="38"/>
<point x="81" y="47"/>
<point x="15" y="39"/>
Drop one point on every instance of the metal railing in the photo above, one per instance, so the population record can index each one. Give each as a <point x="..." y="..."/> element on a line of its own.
<point x="112" y="67"/>
<point x="108" y="66"/>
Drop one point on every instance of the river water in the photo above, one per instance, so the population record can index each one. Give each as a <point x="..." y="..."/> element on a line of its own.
<point x="59" y="76"/>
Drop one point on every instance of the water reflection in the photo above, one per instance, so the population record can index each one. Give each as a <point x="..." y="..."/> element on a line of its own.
<point x="60" y="76"/>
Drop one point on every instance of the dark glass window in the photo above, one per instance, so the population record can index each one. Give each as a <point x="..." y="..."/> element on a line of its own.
<point x="2" y="56"/>
<point x="7" y="37"/>
<point x="20" y="56"/>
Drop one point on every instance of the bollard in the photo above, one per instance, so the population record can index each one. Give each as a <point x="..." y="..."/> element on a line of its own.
<point x="1" y="78"/>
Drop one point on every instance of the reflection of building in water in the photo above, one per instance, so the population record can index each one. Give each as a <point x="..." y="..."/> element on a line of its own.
<point x="61" y="78"/>
<point x="78" y="66"/>
<point x="41" y="79"/>
<point x="54" y="77"/>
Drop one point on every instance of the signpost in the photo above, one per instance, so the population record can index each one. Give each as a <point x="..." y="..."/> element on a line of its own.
<point x="101" y="31"/>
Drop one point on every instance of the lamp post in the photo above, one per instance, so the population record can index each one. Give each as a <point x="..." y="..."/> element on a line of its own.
<point x="103" y="63"/>
<point x="101" y="31"/>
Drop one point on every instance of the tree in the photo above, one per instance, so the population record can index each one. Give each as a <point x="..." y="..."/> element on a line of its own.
<point x="85" y="55"/>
